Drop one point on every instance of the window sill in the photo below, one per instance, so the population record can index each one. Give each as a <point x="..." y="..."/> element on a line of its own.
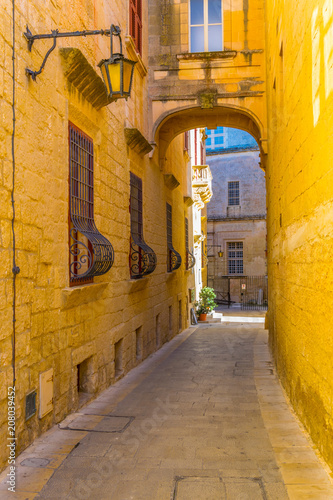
<point x="82" y="294"/>
<point x="223" y="54"/>
<point x="170" y="275"/>
<point x="135" y="56"/>
<point x="137" y="284"/>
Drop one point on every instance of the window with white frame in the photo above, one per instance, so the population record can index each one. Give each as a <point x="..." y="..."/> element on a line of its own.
<point x="206" y="20"/>
<point x="233" y="193"/>
<point x="235" y="257"/>
<point x="215" y="138"/>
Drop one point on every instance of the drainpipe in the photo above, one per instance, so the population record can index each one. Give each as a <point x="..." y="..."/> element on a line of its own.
<point x="15" y="268"/>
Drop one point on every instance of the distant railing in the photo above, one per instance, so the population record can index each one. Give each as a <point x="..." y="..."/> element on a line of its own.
<point x="201" y="174"/>
<point x="250" y="292"/>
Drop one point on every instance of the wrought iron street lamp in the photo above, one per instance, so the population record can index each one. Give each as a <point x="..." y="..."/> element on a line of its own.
<point x="117" y="71"/>
<point x="219" y="253"/>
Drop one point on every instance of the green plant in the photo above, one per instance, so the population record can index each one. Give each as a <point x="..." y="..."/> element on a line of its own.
<point x="206" y="303"/>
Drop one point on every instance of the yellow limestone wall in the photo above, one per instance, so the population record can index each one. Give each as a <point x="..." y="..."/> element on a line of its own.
<point x="59" y="327"/>
<point x="299" y="41"/>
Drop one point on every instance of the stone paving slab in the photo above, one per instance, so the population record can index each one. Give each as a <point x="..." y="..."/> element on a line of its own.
<point x="204" y="418"/>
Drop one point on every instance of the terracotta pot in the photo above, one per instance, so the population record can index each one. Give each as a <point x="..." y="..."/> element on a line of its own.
<point x="203" y="317"/>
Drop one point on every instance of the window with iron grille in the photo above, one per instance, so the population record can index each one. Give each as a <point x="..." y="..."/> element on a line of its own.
<point x="90" y="253"/>
<point x="233" y="193"/>
<point x="235" y="257"/>
<point x="136" y="23"/>
<point x="190" y="259"/>
<point x="142" y="258"/>
<point x="173" y="258"/>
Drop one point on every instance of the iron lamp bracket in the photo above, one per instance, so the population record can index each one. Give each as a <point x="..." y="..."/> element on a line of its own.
<point x="113" y="31"/>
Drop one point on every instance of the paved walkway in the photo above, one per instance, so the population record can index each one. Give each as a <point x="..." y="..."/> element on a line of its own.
<point x="202" y="419"/>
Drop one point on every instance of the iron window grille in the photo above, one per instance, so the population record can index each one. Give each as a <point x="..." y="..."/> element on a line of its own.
<point x="136" y="23"/>
<point x="90" y="253"/>
<point x="204" y="258"/>
<point x="30" y="404"/>
<point x="235" y="257"/>
<point x="233" y="193"/>
<point x="142" y="258"/>
<point x="173" y="258"/>
<point x="190" y="259"/>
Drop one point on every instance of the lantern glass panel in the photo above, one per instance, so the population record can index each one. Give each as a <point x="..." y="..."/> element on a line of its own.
<point x="128" y="68"/>
<point x="105" y="77"/>
<point x="114" y="70"/>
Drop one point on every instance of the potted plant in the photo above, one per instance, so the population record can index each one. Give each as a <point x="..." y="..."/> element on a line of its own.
<point x="206" y="303"/>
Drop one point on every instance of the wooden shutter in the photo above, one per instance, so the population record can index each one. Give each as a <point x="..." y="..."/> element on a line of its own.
<point x="136" y="23"/>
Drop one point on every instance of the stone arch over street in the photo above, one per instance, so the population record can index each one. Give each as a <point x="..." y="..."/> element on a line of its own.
<point x="175" y="122"/>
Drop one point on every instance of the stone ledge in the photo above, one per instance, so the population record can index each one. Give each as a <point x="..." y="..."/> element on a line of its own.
<point x="82" y="76"/>
<point x="171" y="275"/>
<point x="136" y="141"/>
<point x="135" y="285"/>
<point x="242" y="217"/>
<point x="78" y="295"/>
<point x="222" y="54"/>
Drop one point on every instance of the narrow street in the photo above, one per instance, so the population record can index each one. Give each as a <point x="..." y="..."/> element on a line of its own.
<point x="203" y="418"/>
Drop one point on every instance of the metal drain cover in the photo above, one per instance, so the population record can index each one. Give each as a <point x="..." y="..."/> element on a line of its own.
<point x="98" y="423"/>
<point x="35" y="462"/>
<point x="218" y="488"/>
<point x="205" y="488"/>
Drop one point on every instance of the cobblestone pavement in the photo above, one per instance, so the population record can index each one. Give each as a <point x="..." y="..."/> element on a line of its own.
<point x="204" y="418"/>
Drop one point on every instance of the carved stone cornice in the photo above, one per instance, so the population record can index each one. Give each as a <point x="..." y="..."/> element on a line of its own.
<point x="170" y="181"/>
<point x="188" y="201"/>
<point x="202" y="183"/>
<point x="136" y="141"/>
<point x="198" y="239"/>
<point x="198" y="201"/>
<point x="83" y="77"/>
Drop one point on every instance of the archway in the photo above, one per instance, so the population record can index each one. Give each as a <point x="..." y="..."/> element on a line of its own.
<point x="219" y="232"/>
<point x="173" y="123"/>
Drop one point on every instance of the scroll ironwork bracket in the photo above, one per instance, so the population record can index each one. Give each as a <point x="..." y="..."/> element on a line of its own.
<point x="34" y="74"/>
<point x="113" y="31"/>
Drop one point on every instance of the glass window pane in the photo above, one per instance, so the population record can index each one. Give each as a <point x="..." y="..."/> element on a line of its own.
<point x="197" y="12"/>
<point x="197" y="39"/>
<point x="214" y="12"/>
<point x="214" y="38"/>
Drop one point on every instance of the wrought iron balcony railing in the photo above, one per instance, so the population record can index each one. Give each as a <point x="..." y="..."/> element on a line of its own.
<point x="190" y="260"/>
<point x="143" y="259"/>
<point x="174" y="259"/>
<point x="91" y="254"/>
